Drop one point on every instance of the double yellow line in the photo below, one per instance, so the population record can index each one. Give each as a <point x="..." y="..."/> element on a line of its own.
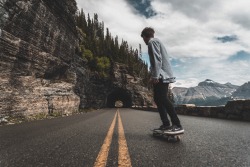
<point x="123" y="158"/>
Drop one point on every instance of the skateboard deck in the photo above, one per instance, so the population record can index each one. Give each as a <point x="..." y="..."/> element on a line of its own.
<point x="169" y="137"/>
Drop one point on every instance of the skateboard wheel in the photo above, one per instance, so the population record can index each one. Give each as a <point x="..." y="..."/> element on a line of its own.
<point x="156" y="134"/>
<point x="171" y="139"/>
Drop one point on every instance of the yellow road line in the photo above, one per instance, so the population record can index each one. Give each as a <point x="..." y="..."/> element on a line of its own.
<point x="123" y="158"/>
<point x="101" y="160"/>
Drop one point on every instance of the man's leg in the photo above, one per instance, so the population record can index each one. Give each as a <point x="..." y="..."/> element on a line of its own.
<point x="160" y="104"/>
<point x="170" y="108"/>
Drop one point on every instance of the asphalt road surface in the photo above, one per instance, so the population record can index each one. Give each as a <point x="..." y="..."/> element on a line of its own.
<point x="123" y="137"/>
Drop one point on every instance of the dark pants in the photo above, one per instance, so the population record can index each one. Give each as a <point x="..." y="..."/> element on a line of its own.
<point x="164" y="105"/>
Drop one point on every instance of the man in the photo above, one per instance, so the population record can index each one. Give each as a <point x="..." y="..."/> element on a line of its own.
<point x="161" y="77"/>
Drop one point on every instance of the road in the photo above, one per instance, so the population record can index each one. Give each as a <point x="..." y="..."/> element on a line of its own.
<point x="112" y="136"/>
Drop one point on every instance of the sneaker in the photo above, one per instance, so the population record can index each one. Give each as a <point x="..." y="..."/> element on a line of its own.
<point x="174" y="130"/>
<point x="162" y="128"/>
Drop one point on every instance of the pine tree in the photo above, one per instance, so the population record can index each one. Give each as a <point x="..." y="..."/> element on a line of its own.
<point x="101" y="51"/>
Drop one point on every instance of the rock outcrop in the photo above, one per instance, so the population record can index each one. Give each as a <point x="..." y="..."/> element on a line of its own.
<point x="40" y="71"/>
<point x="140" y="96"/>
<point x="37" y="49"/>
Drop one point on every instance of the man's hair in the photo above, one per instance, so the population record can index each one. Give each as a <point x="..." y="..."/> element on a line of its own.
<point x="147" y="32"/>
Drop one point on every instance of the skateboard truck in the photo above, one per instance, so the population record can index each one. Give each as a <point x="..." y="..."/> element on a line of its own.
<point x="169" y="137"/>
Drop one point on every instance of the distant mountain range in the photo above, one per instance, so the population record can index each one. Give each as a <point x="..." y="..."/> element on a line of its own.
<point x="211" y="93"/>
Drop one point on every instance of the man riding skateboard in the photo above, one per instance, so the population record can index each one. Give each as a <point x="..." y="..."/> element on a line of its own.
<point x="161" y="77"/>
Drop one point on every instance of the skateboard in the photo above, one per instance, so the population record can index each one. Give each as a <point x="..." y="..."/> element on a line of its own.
<point x="169" y="137"/>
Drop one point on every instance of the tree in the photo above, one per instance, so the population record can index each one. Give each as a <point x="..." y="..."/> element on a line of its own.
<point x="103" y="65"/>
<point x="102" y="51"/>
<point x="88" y="55"/>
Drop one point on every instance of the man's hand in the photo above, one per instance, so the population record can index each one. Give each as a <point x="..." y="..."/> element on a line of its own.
<point x="154" y="81"/>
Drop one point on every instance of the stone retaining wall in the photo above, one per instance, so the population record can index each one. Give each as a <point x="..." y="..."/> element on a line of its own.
<point x="237" y="110"/>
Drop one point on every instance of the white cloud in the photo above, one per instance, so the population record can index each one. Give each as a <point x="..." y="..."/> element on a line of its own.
<point x="189" y="30"/>
<point x="118" y="17"/>
<point x="190" y="82"/>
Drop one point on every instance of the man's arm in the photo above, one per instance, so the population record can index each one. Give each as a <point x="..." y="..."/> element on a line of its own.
<point x="155" y="59"/>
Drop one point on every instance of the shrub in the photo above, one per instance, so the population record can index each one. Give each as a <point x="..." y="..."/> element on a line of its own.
<point x="88" y="55"/>
<point x="103" y="65"/>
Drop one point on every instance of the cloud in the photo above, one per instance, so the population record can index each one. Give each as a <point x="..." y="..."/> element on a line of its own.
<point x="190" y="82"/>
<point x="238" y="12"/>
<point x="196" y="9"/>
<point x="227" y="38"/>
<point x="142" y="7"/>
<point x="240" y="56"/>
<point x="119" y="17"/>
<point x="200" y="36"/>
<point x="234" y="70"/>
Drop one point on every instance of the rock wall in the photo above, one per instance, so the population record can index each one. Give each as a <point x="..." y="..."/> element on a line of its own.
<point x="140" y="96"/>
<point x="40" y="71"/>
<point x="37" y="45"/>
<point x="238" y="109"/>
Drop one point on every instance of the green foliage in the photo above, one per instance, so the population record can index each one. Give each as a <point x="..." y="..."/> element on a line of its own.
<point x="103" y="64"/>
<point x="95" y="44"/>
<point x="88" y="55"/>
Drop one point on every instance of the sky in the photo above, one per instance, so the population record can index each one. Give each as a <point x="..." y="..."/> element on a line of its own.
<point x="206" y="39"/>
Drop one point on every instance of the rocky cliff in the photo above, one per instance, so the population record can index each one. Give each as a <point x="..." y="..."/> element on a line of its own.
<point x="37" y="49"/>
<point x="40" y="71"/>
<point x="129" y="87"/>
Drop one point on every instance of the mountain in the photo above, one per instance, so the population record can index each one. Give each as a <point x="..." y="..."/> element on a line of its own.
<point x="243" y="92"/>
<point x="207" y="92"/>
